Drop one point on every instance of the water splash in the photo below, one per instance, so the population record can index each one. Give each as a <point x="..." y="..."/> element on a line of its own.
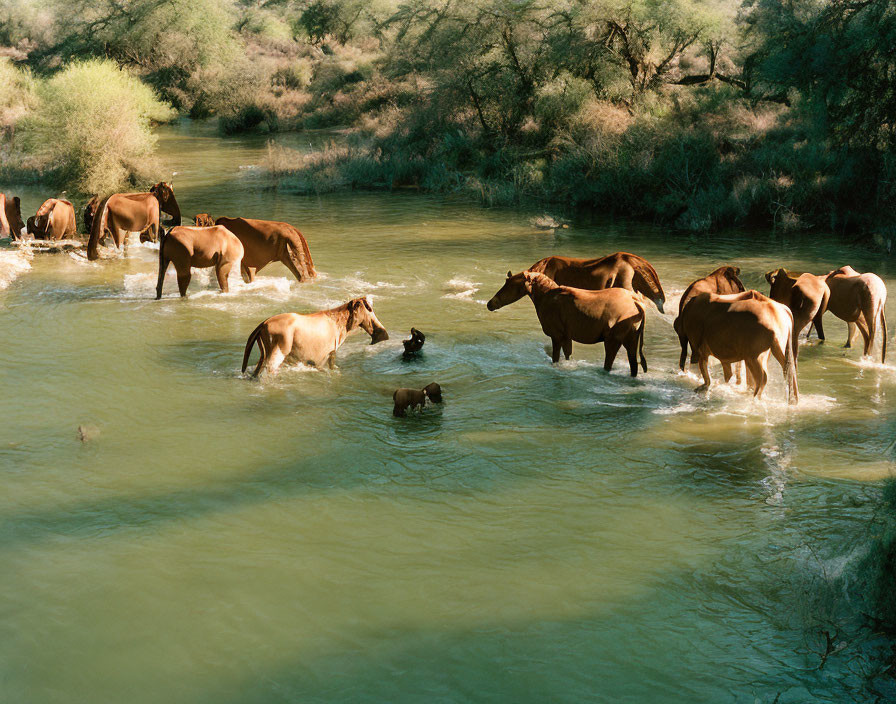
<point x="13" y="263"/>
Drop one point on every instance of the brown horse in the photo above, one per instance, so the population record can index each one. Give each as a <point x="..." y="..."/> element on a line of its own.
<point x="266" y="241"/>
<point x="723" y="280"/>
<point x="313" y="338"/>
<point x="11" y="224"/>
<point x="199" y="247"/>
<point x="613" y="316"/>
<point x="203" y="220"/>
<point x="741" y="327"/>
<point x="619" y="270"/>
<point x="807" y="297"/>
<point x="122" y="213"/>
<point x="55" y="219"/>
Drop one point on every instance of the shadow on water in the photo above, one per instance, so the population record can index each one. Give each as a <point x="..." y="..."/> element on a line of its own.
<point x="541" y="660"/>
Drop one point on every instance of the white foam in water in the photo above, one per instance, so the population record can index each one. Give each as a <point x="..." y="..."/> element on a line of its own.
<point x="204" y="284"/>
<point x="357" y="285"/>
<point x="13" y="263"/>
<point x="870" y="363"/>
<point x="461" y="289"/>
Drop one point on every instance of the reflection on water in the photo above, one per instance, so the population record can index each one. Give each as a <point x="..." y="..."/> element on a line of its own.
<point x="549" y="533"/>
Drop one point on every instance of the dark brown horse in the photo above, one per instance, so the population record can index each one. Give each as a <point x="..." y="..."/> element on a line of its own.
<point x="723" y="280"/>
<point x="619" y="270"/>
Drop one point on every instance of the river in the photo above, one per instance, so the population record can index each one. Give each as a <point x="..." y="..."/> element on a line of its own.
<point x="548" y="534"/>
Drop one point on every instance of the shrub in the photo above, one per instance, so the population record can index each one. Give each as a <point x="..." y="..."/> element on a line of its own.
<point x="17" y="95"/>
<point x="92" y="128"/>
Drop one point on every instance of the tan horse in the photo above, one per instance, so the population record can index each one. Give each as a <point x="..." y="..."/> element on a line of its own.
<point x="723" y="280"/>
<point x="619" y="270"/>
<point x="11" y="224"/>
<point x="741" y="327"/>
<point x="807" y="297"/>
<point x="267" y="241"/>
<point x="859" y="299"/>
<point x="203" y="220"/>
<point x="122" y="213"/>
<point x="199" y="247"/>
<point x="55" y="219"/>
<point x="312" y="338"/>
<point x="613" y="316"/>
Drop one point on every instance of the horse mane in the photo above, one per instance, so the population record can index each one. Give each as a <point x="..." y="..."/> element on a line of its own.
<point x="539" y="266"/>
<point x="100" y="218"/>
<point x="647" y="272"/>
<point x="544" y="281"/>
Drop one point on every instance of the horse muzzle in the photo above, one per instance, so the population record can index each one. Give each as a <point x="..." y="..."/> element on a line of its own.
<point x="379" y="335"/>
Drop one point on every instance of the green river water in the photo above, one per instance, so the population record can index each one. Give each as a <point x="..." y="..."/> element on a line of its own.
<point x="549" y="534"/>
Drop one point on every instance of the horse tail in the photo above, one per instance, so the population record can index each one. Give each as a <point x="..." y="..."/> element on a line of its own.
<point x="298" y="252"/>
<point x="163" y="261"/>
<point x="883" y="330"/>
<point x="641" y="334"/>
<point x="254" y="336"/>
<point x="100" y="219"/>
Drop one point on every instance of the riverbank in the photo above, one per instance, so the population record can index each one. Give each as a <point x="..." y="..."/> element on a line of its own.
<point x="692" y="171"/>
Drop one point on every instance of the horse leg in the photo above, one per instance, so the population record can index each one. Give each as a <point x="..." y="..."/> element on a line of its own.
<point x="183" y="280"/>
<point x="761" y="374"/>
<point x="611" y="348"/>
<point x="276" y="359"/>
<point x="248" y="273"/>
<point x="163" y="267"/>
<point x="567" y="347"/>
<point x="868" y="313"/>
<point x="867" y="338"/>
<point x="756" y="374"/>
<point x="850" y="334"/>
<point x="631" y="347"/>
<point x="555" y="350"/>
<point x="819" y="329"/>
<point x="703" y="364"/>
<point x="222" y="272"/>
<point x="726" y="371"/>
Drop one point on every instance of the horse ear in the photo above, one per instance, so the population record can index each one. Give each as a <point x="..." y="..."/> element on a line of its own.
<point x="509" y="274"/>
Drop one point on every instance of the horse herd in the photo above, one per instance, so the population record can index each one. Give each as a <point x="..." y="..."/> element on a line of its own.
<point x="576" y="300"/>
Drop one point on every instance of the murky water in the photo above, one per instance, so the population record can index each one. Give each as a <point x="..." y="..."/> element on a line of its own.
<point x="550" y="534"/>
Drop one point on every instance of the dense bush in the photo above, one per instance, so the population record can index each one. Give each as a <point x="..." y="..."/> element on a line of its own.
<point x="91" y="129"/>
